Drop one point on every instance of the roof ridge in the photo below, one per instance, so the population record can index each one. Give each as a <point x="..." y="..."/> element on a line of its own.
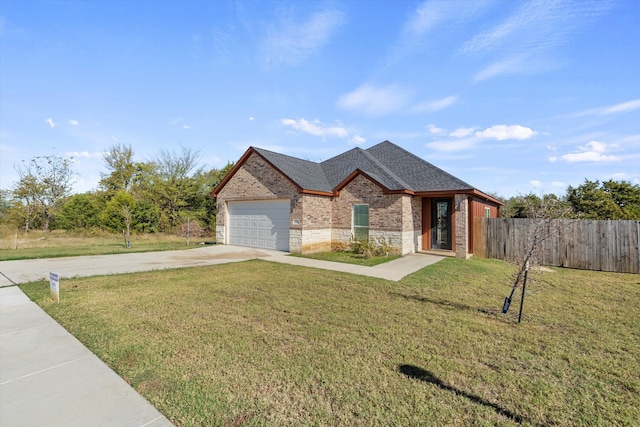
<point x="307" y="174"/>
<point x="386" y="142"/>
<point x="259" y="150"/>
<point x="386" y="169"/>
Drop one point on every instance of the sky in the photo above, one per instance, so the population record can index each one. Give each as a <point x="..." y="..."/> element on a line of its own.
<point x="512" y="97"/>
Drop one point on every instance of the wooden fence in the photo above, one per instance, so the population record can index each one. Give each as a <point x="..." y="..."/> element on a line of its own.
<point x="581" y="244"/>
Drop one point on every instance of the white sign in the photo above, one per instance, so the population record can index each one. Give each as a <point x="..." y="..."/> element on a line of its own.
<point x="54" y="286"/>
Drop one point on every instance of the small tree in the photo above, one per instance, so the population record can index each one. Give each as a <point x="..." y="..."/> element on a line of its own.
<point x="118" y="214"/>
<point x="43" y="184"/>
<point x="542" y="213"/>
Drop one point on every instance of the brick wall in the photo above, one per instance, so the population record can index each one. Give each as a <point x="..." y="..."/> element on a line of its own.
<point x="385" y="211"/>
<point x="316" y="224"/>
<point x="390" y="215"/>
<point x="461" y="206"/>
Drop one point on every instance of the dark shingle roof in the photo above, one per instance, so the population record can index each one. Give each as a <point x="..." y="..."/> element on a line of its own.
<point x="391" y="166"/>
<point x="306" y="174"/>
<point x="419" y="174"/>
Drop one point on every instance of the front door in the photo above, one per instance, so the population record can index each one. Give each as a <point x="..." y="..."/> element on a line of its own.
<point x="441" y="224"/>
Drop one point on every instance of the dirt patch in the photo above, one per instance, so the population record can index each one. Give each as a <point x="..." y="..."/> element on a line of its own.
<point x="542" y="268"/>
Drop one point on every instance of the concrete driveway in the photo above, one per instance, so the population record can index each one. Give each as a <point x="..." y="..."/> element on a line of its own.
<point x="23" y="271"/>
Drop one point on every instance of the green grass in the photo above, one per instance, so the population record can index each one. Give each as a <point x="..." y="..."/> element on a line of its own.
<point x="37" y="244"/>
<point x="261" y="343"/>
<point x="349" y="258"/>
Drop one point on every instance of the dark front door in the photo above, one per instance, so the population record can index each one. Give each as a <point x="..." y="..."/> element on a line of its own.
<point x="441" y="224"/>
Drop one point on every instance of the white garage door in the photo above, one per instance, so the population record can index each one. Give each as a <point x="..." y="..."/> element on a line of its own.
<point x="260" y="224"/>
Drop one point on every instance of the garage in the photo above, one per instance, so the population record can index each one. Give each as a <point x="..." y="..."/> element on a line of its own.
<point x="260" y="224"/>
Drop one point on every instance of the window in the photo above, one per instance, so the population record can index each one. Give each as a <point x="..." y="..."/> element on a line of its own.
<point x="487" y="212"/>
<point x="361" y="222"/>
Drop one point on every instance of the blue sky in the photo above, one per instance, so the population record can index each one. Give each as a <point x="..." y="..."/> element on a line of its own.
<point x="510" y="96"/>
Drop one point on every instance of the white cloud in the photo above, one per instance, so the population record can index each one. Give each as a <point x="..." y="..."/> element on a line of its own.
<point x="357" y="140"/>
<point x="186" y="127"/>
<point x="622" y="108"/>
<point x="436" y="105"/>
<point x="503" y="132"/>
<point x="426" y="17"/>
<point x="593" y="151"/>
<point x="292" y="42"/>
<point x="553" y="159"/>
<point x="462" y="132"/>
<point x="537" y="27"/>
<point x="535" y="183"/>
<point x="50" y="122"/>
<point x="429" y="15"/>
<point x="511" y="65"/>
<point x="74" y="123"/>
<point x="251" y="118"/>
<point x="375" y="101"/>
<point x="435" y="130"/>
<point x="315" y="128"/>
<point x="558" y="184"/>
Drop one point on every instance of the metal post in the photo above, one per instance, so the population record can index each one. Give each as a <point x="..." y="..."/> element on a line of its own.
<point x="524" y="288"/>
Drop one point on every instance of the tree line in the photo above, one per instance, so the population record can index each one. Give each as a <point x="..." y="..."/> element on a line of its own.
<point x="597" y="200"/>
<point x="132" y="196"/>
<point x="162" y="194"/>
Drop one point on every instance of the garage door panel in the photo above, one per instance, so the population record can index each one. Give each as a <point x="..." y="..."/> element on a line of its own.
<point x="260" y="224"/>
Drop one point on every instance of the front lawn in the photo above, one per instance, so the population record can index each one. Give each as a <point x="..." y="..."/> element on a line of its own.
<point x="262" y="343"/>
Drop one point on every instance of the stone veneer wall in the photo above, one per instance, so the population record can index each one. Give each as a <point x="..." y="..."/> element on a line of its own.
<point x="461" y="205"/>
<point x="257" y="180"/>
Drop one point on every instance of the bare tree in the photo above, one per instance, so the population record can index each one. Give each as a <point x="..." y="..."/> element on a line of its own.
<point x="546" y="216"/>
<point x="43" y="183"/>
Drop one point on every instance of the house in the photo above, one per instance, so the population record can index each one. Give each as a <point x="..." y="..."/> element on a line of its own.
<point x="270" y="200"/>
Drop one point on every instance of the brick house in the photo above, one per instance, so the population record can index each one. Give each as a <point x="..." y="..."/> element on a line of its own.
<point x="270" y="200"/>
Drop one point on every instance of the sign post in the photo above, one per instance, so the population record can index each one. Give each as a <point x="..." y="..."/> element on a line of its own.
<point x="54" y="286"/>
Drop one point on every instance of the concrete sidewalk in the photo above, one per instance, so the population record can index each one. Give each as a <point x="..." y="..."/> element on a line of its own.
<point x="47" y="377"/>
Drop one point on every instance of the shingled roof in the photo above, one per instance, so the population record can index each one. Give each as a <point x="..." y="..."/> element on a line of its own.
<point x="392" y="167"/>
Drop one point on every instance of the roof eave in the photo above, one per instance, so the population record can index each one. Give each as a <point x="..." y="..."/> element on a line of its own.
<point x="318" y="193"/>
<point x="473" y="192"/>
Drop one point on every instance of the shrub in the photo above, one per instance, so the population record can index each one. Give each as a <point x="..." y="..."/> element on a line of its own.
<point x="368" y="248"/>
